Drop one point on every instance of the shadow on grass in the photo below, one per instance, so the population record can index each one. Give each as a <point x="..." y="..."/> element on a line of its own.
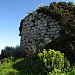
<point x="30" y="66"/>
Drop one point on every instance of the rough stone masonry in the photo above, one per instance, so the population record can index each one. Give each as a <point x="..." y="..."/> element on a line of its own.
<point x="37" y="30"/>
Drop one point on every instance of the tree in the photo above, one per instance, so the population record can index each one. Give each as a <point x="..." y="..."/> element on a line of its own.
<point x="11" y="51"/>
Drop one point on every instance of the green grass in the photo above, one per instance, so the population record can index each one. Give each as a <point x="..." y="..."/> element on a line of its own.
<point x="27" y="66"/>
<point x="6" y="67"/>
<point x="22" y="66"/>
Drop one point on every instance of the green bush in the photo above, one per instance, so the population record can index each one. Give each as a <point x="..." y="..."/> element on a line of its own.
<point x="54" y="61"/>
<point x="50" y="63"/>
<point x="56" y="72"/>
<point x="9" y="72"/>
<point x="6" y="67"/>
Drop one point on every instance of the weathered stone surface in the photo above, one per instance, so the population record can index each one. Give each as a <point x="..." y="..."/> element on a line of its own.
<point x="35" y="27"/>
<point x="53" y="29"/>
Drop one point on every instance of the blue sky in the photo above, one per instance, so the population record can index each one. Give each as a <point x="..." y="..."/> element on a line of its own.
<point x="11" y="13"/>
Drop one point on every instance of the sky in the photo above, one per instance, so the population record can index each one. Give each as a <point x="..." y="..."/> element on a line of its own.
<point x="11" y="13"/>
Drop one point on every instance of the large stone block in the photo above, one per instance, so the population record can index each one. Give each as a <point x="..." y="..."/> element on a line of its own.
<point x="53" y="29"/>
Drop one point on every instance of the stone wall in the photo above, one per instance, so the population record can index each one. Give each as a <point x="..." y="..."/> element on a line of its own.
<point x="38" y="29"/>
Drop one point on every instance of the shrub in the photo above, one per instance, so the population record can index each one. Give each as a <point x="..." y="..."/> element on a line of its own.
<point x="7" y="60"/>
<point x="9" y="72"/>
<point x="54" y="61"/>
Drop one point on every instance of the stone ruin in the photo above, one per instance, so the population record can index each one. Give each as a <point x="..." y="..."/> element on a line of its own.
<point x="37" y="30"/>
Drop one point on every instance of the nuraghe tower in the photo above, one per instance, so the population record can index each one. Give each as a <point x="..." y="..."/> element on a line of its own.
<point x="36" y="30"/>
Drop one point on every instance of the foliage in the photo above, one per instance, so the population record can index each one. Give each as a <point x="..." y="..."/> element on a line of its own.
<point x="22" y="66"/>
<point x="7" y="51"/>
<point x="65" y="44"/>
<point x="30" y="66"/>
<point x="51" y="62"/>
<point x="64" y="13"/>
<point x="54" y="61"/>
<point x="6" y="67"/>
<point x="11" y="51"/>
<point x="56" y="72"/>
<point x="9" y="72"/>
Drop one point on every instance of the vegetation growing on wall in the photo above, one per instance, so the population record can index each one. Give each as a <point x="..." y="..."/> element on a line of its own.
<point x="51" y="62"/>
<point x="64" y="13"/>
